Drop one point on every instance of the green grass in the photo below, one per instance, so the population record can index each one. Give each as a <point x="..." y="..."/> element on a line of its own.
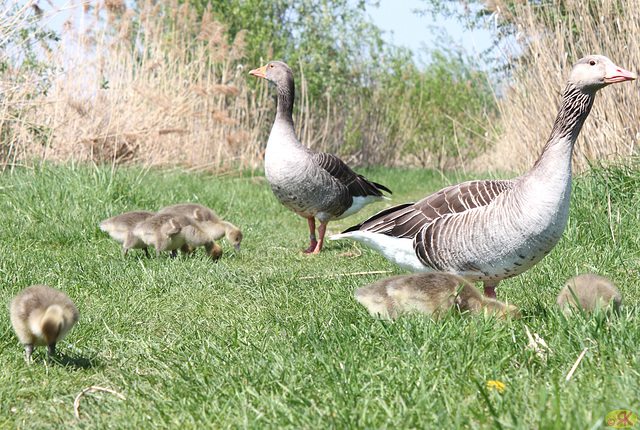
<point x="268" y="338"/>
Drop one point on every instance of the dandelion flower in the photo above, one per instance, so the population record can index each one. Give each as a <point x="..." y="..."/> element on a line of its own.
<point x="497" y="385"/>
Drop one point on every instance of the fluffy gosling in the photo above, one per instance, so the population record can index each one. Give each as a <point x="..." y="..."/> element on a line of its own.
<point x="168" y="232"/>
<point x="41" y="316"/>
<point x="592" y="292"/>
<point x="374" y="297"/>
<point x="208" y="221"/>
<point x="431" y="294"/>
<point x="120" y="229"/>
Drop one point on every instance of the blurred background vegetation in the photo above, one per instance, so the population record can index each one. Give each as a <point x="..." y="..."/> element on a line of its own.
<point x="165" y="82"/>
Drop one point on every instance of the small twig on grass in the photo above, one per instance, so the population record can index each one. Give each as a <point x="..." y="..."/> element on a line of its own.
<point x="375" y="272"/>
<point x="613" y="236"/>
<point x="575" y="365"/>
<point x="76" y="403"/>
<point x="350" y="254"/>
<point x="233" y="196"/>
<point x="538" y="345"/>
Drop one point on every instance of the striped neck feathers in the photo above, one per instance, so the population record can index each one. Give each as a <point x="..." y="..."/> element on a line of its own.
<point x="576" y="105"/>
<point x="286" y="94"/>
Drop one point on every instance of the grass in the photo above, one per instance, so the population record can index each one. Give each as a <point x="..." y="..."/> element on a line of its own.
<point x="270" y="338"/>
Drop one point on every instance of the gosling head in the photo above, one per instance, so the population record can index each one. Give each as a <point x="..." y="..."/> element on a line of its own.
<point x="234" y="236"/>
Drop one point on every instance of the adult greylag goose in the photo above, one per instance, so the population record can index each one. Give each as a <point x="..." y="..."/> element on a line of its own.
<point x="120" y="228"/>
<point x="41" y="315"/>
<point x="433" y="294"/>
<point x="592" y="291"/>
<point x="208" y="221"/>
<point x="490" y="230"/>
<point x="310" y="183"/>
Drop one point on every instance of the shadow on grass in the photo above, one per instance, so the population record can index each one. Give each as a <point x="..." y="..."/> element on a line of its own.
<point x="78" y="362"/>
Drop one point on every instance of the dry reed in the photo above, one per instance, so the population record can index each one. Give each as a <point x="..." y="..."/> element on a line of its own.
<point x="136" y="87"/>
<point x="163" y="87"/>
<point x="551" y="43"/>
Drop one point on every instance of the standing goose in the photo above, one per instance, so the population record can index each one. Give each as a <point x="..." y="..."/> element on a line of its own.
<point x="490" y="230"/>
<point x="310" y="183"/>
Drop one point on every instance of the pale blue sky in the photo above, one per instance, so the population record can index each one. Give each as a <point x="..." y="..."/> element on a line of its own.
<point x="395" y="17"/>
<point x="414" y="32"/>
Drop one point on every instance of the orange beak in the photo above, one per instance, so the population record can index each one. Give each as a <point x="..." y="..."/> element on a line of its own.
<point x="616" y="74"/>
<point x="259" y="72"/>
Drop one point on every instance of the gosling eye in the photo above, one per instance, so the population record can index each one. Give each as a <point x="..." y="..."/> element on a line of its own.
<point x="592" y="63"/>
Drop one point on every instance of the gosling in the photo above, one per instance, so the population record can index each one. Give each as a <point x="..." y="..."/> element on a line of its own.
<point x="120" y="229"/>
<point x="433" y="294"/>
<point x="208" y="221"/>
<point x="40" y="316"/>
<point x="592" y="291"/>
<point x="374" y="297"/>
<point x="168" y="232"/>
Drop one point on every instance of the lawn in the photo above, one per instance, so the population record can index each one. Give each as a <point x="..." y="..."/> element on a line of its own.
<point x="270" y="338"/>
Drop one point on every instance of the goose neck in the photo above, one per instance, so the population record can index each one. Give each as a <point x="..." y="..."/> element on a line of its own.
<point x="286" y="94"/>
<point x="557" y="153"/>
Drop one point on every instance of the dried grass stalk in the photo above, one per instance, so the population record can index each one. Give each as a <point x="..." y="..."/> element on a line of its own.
<point x="551" y="45"/>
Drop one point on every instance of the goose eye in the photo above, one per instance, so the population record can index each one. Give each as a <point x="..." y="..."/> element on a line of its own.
<point x="592" y="63"/>
<point x="271" y="65"/>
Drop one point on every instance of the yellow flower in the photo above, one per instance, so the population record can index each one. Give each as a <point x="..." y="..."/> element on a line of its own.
<point x="497" y="385"/>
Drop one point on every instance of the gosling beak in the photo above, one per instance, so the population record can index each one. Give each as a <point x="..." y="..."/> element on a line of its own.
<point x="615" y="74"/>
<point x="259" y="72"/>
<point x="237" y="247"/>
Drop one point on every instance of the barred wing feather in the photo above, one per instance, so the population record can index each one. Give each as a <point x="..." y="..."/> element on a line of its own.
<point x="407" y="220"/>
<point x="358" y="185"/>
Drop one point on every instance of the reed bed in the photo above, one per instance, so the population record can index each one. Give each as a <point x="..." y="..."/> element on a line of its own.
<point x="143" y="87"/>
<point x="550" y="37"/>
<point x="163" y="87"/>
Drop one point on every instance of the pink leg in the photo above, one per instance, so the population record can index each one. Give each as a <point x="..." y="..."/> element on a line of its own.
<point x="490" y="289"/>
<point x="321" y="230"/>
<point x="312" y="235"/>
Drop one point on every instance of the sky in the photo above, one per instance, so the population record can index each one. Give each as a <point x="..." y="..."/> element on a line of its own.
<point x="400" y="24"/>
<point x="403" y="27"/>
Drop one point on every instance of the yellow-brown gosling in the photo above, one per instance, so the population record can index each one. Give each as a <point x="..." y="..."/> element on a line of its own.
<point x="431" y="294"/>
<point x="169" y="232"/>
<point x="592" y="291"/>
<point x="41" y="316"/>
<point x="120" y="229"/>
<point x="208" y="221"/>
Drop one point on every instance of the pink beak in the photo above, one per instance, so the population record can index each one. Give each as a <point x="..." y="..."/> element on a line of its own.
<point x="616" y="74"/>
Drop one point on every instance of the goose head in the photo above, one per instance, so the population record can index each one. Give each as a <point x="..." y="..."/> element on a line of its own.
<point x="597" y="71"/>
<point x="275" y="72"/>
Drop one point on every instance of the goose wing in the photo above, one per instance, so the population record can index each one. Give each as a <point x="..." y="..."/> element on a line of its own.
<point x="406" y="220"/>
<point x="357" y="185"/>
